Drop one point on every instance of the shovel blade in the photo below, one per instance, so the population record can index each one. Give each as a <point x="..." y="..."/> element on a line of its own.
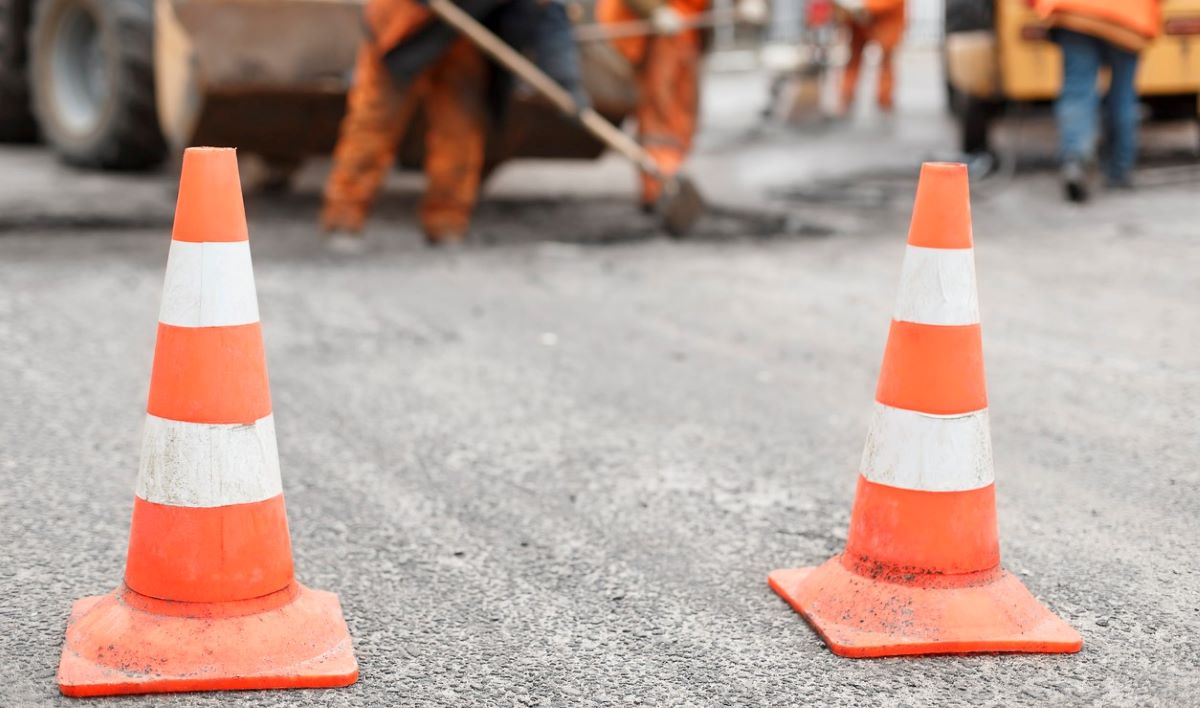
<point x="680" y="206"/>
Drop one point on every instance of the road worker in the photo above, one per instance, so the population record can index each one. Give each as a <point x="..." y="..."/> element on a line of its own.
<point x="411" y="59"/>
<point x="878" y="21"/>
<point x="1095" y="33"/>
<point x="667" y="71"/>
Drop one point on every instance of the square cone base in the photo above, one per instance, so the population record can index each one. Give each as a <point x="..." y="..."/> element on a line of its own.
<point x="863" y="617"/>
<point x="124" y="642"/>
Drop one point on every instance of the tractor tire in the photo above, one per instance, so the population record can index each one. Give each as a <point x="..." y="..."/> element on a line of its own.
<point x="956" y="101"/>
<point x="975" y="122"/>
<point x="16" y="119"/>
<point x="92" y="81"/>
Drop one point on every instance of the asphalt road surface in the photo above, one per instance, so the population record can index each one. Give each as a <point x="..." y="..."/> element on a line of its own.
<point x="555" y="467"/>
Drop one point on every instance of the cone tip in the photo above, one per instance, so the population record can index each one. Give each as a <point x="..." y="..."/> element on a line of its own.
<point x="941" y="215"/>
<point x="212" y="158"/>
<point x="948" y="168"/>
<point x="201" y="149"/>
<point x="210" y="208"/>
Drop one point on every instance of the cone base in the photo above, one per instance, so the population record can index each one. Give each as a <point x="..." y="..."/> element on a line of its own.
<point x="124" y="643"/>
<point x="862" y="617"/>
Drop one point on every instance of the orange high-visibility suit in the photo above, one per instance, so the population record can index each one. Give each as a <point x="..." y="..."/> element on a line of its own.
<point x="1129" y="24"/>
<point x="452" y="91"/>
<point x="667" y="72"/>
<point x="884" y="25"/>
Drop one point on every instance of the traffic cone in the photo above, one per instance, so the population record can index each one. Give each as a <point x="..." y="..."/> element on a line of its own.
<point x="921" y="570"/>
<point x="209" y="600"/>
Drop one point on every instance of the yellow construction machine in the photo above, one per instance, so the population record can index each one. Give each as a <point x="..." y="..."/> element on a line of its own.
<point x="118" y="84"/>
<point x="998" y="55"/>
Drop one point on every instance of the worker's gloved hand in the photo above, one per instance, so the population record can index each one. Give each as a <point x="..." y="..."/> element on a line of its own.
<point x="666" y="21"/>
<point x="752" y="12"/>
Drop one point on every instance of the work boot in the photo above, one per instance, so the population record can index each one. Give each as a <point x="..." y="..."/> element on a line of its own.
<point x="1120" y="184"/>
<point x="1074" y="181"/>
<point x="342" y="225"/>
<point x="345" y="243"/>
<point x="981" y="164"/>
<point x="445" y="226"/>
<point x="447" y="242"/>
<point x="444" y="233"/>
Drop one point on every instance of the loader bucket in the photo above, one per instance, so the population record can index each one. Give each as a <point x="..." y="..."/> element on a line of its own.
<point x="270" y="77"/>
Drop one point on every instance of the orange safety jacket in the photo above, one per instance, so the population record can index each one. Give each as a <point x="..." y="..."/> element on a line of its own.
<point x="1129" y="24"/>
<point x="876" y="7"/>
<point x="618" y="12"/>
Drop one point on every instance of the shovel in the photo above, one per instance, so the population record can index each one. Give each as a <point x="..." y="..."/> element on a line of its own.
<point x="680" y="204"/>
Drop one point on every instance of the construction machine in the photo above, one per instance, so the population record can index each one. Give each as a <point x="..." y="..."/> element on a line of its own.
<point x="998" y="56"/>
<point x="119" y="84"/>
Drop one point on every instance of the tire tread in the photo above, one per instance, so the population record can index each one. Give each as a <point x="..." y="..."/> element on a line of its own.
<point x="17" y="124"/>
<point x="131" y="139"/>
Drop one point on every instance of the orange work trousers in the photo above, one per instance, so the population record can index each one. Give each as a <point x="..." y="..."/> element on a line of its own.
<point x="885" y="29"/>
<point x="668" y="100"/>
<point x="377" y="114"/>
<point x="667" y="72"/>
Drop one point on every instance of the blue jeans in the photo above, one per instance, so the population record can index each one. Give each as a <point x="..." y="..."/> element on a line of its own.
<point x="1078" y="104"/>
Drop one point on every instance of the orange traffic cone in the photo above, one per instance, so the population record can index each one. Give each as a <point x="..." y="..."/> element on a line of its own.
<point x="209" y="600"/>
<point x="921" y="571"/>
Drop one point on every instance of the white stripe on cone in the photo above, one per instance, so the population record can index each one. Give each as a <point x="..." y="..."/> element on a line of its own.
<point x="206" y="465"/>
<point x="937" y="287"/>
<point x="209" y="285"/>
<point x="926" y="452"/>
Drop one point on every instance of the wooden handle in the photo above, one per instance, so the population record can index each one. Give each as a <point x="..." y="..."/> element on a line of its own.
<point x="516" y="62"/>
<point x="620" y="141"/>
<point x="501" y="52"/>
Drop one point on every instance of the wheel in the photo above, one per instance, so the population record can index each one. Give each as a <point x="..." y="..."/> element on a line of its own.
<point x="92" y="81"/>
<point x="16" y="119"/>
<point x="975" y="121"/>
<point x="1196" y="122"/>
<point x="955" y="99"/>
<point x="1171" y="108"/>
